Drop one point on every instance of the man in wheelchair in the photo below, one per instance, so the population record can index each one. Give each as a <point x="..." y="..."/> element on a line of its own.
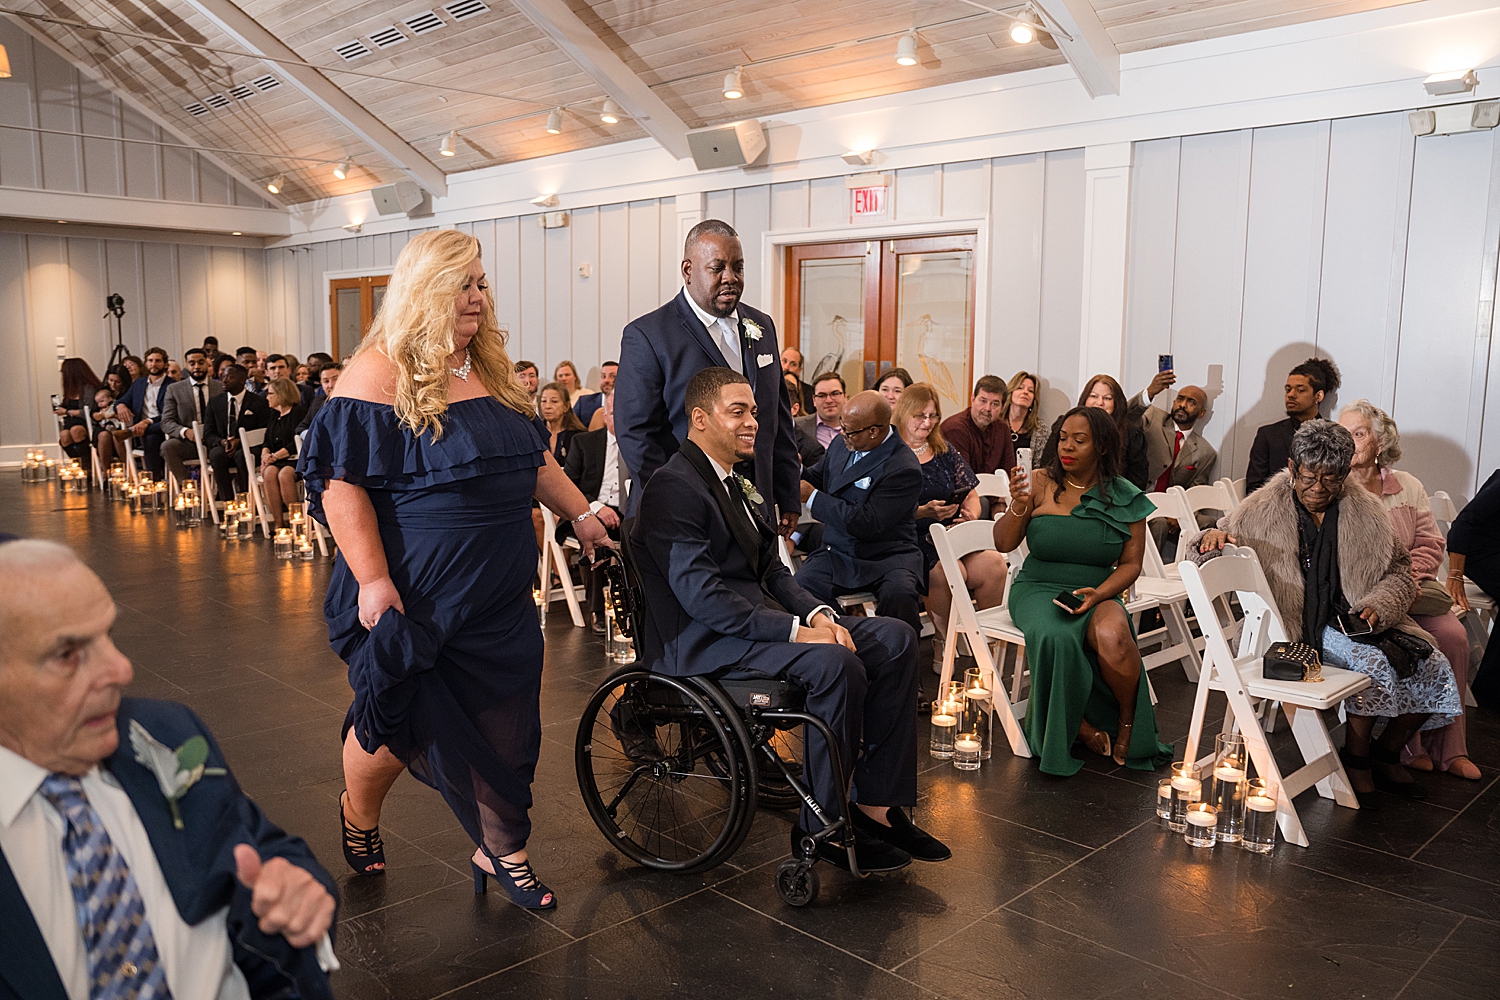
<point x="720" y="602"/>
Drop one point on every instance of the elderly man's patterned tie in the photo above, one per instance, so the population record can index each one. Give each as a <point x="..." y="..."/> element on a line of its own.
<point x="123" y="963"/>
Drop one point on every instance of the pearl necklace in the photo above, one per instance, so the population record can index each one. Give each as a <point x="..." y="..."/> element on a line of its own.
<point x="922" y="449"/>
<point x="462" y="371"/>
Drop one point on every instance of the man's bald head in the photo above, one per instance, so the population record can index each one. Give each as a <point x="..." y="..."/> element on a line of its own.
<point x="866" y="420"/>
<point x="1190" y="406"/>
<point x="61" y="676"/>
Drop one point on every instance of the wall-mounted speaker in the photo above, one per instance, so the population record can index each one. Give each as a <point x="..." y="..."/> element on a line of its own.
<point x="727" y="145"/>
<point x="403" y="196"/>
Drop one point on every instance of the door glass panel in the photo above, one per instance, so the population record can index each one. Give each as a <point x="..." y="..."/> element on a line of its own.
<point x="377" y="296"/>
<point x="831" y="327"/>
<point x="933" y="322"/>
<point x="346" y="320"/>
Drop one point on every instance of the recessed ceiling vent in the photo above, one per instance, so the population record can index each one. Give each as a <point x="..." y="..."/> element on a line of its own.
<point x="385" y="37"/>
<point x="461" y="10"/>
<point x="351" y="51"/>
<point x="216" y="101"/>
<point x="265" y="83"/>
<point x="196" y="109"/>
<point x="242" y="92"/>
<point x="420" y="24"/>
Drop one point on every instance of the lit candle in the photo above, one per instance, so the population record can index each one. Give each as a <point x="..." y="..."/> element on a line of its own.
<point x="1226" y="773"/>
<point x="966" y="744"/>
<point x="1186" y="785"/>
<point x="1201" y="816"/>
<point x="1261" y="803"/>
<point x="945" y="720"/>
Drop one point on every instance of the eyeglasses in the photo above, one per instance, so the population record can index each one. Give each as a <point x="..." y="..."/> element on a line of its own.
<point x="835" y="394"/>
<point x="1330" y="481"/>
<point x="863" y="430"/>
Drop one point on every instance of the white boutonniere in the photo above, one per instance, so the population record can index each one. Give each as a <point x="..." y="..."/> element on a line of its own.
<point x="748" y="488"/>
<point x="176" y="770"/>
<point x="752" y="330"/>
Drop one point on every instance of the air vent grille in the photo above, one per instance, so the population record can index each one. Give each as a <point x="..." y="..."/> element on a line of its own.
<point x="461" y="10"/>
<point x="420" y="24"/>
<point x="196" y="109"/>
<point x="242" y="92"/>
<point x="264" y="83"/>
<point x="387" y="36"/>
<point x="216" y="101"/>
<point x="351" y="51"/>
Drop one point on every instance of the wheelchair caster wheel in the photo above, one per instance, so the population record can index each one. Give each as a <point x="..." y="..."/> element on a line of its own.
<point x="797" y="882"/>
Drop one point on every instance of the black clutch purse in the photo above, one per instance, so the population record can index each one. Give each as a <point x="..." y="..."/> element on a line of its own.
<point x="1292" y="661"/>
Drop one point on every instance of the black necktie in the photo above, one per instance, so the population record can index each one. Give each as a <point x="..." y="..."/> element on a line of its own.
<point x="232" y="415"/>
<point x="201" y="402"/>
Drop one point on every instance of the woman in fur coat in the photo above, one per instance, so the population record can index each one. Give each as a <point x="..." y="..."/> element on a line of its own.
<point x="1329" y="553"/>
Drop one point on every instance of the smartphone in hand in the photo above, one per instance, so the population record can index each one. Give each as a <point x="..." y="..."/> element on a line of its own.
<point x="1353" y="625"/>
<point x="1023" y="459"/>
<point x="1164" y="362"/>
<point x="1068" y="601"/>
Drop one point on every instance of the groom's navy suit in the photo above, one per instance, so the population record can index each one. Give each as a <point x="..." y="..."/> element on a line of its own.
<point x="660" y="353"/>
<point x="197" y="862"/>
<point x="719" y="600"/>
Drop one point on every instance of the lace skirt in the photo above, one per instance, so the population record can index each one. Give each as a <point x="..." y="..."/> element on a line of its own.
<point x="1431" y="689"/>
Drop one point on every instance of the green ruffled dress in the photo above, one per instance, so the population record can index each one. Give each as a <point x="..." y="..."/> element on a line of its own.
<point x="1068" y="551"/>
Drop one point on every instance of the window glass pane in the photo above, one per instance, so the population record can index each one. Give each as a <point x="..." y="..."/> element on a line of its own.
<point x="346" y="320"/>
<point x="934" y="324"/>
<point x="832" y="321"/>
<point x="377" y="295"/>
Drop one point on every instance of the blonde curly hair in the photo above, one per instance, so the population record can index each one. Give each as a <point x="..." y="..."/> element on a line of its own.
<point x="414" y="328"/>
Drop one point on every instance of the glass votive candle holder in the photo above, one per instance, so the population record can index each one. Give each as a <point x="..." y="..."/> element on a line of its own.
<point x="247" y="524"/>
<point x="305" y="549"/>
<point x="1202" y="819"/>
<point x="944" y="726"/>
<point x="966" y="747"/>
<point x="1231" y="768"/>
<point x="978" y="696"/>
<point x="1260" y="816"/>
<point x="1187" y="790"/>
<point x="180" y="514"/>
<point x="1164" y="798"/>
<point x="281" y="545"/>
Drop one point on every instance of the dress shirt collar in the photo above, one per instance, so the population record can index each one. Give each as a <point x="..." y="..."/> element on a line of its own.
<point x="1184" y="431"/>
<point x="19" y="780"/>
<point x="719" y="470"/>
<point x="707" y="318"/>
<point x="839" y="428"/>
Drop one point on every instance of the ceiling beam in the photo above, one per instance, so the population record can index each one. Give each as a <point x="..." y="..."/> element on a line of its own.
<point x="258" y="41"/>
<point x="557" y="20"/>
<point x="1090" y="51"/>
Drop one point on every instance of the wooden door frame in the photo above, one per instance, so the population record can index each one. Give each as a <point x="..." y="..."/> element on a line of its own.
<point x="890" y="278"/>
<point x="329" y="277"/>
<point x="866" y="251"/>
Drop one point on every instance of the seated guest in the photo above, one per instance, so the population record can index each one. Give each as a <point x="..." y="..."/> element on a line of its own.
<point x="316" y="362"/>
<point x="590" y="404"/>
<point x="303" y="376"/>
<point x="186" y="401"/>
<point x="815" y="430"/>
<point x="595" y="466"/>
<point x="117" y="379"/>
<point x="864" y="489"/>
<point x="279" y="366"/>
<point x="142" y="408"/>
<point x="134" y="365"/>
<point x="217" y="363"/>
<point x="278" y="456"/>
<point x="794" y="396"/>
<point x="109" y="889"/>
<point x="1377" y="446"/>
<point x="718" y="599"/>
<point x="328" y="377"/>
<point x="111" y="431"/>
<point x="78" y="385"/>
<point x="1474" y="552"/>
<point x="948" y="497"/>
<point x="1022" y="412"/>
<point x="174" y="369"/>
<point x="566" y="375"/>
<point x="892" y="383"/>
<point x="210" y="345"/>
<point x="247" y="356"/>
<point x="979" y="433"/>
<point x="526" y="374"/>
<point x="562" y="423"/>
<point x="1330" y="556"/>
<point x="1176" y="454"/>
<point x="1103" y="392"/>
<point x="233" y="410"/>
<point x="1084" y="525"/>
<point x="1306" y="387"/>
<point x="791" y="364"/>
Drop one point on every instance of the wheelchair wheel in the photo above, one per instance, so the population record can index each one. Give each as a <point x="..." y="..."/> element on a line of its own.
<point x="774" y="791"/>
<point x="665" y="771"/>
<point x="797" y="882"/>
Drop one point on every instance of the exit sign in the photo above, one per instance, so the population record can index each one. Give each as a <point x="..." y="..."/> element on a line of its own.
<point x="867" y="201"/>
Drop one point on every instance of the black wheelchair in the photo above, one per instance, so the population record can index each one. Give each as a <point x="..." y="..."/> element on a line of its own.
<point x="673" y="769"/>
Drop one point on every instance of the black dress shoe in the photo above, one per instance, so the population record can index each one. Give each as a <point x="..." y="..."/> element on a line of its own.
<point x="903" y="834"/>
<point x="1408" y="789"/>
<point x="1357" y="762"/>
<point x="599" y="626"/>
<point x="875" y="857"/>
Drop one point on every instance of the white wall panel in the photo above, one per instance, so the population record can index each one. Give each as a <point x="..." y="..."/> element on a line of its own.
<point x="591" y="345"/>
<point x="1148" y="280"/>
<point x="644" y="256"/>
<point x="828" y="202"/>
<point x="918" y="193"/>
<point x="966" y="190"/>
<point x="1017" y="186"/>
<point x="1061" y="273"/>
<point x="613" y="276"/>
<point x="558" y="289"/>
<point x="789" y="205"/>
<point x="533" y="295"/>
<point x="20" y="420"/>
<point x="505" y="284"/>
<point x="752" y="217"/>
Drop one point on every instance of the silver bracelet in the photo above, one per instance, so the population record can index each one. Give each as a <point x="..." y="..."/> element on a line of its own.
<point x="580" y="517"/>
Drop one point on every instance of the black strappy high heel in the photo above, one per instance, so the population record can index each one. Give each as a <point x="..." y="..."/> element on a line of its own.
<point x="363" y="849"/>
<point x="518" y="880"/>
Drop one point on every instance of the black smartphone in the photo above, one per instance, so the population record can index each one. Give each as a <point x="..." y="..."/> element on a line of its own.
<point x="1352" y="625"/>
<point x="1068" y="601"/>
<point x="1164" y="362"/>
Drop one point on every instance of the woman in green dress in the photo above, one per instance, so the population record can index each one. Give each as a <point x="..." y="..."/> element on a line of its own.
<point x="1085" y="530"/>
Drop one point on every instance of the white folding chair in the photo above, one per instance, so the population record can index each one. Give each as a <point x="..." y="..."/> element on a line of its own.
<point x="1235" y="488"/>
<point x="96" y="467"/>
<point x="208" y="493"/>
<point x="994" y="484"/>
<point x="992" y="625"/>
<point x="1170" y="507"/>
<point x="1176" y="638"/>
<point x="1216" y="496"/>
<point x="250" y="440"/>
<point x="1238" y="675"/>
<point x="553" y="557"/>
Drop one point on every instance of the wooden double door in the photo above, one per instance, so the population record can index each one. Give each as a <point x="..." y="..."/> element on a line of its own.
<point x="352" y="305"/>
<point x="863" y="307"/>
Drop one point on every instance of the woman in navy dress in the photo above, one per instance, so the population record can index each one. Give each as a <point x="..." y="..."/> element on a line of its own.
<point x="423" y="463"/>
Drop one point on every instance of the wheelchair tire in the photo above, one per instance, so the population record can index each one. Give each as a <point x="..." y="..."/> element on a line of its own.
<point x="797" y="882"/>
<point x="665" y="771"/>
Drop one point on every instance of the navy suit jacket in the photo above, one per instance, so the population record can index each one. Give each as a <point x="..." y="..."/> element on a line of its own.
<point x="869" y="510"/>
<point x="707" y="600"/>
<point x="197" y="861"/>
<point x="660" y="352"/>
<point x="135" y="398"/>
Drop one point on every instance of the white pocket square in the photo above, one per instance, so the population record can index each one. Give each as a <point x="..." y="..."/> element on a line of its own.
<point x="863" y="484"/>
<point x="763" y="359"/>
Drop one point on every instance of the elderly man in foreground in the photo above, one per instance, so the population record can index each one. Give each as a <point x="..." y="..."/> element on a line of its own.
<point x="131" y="864"/>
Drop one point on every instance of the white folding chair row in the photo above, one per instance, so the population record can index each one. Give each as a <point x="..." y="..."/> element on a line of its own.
<point x="1216" y="496"/>
<point x="208" y="485"/>
<point x="1171" y="506"/>
<point x="1176" y="638"/>
<point x="250" y="440"/>
<point x="1235" y="488"/>
<point x="96" y="468"/>
<point x="552" y="557"/>
<point x="1238" y="675"/>
<point x="994" y="484"/>
<point x="319" y="532"/>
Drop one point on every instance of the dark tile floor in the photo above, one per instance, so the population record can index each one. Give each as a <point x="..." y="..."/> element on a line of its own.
<point x="1058" y="888"/>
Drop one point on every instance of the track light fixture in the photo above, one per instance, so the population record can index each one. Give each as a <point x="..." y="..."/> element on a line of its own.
<point x="545" y="201"/>
<point x="275" y="184"/>
<point x="342" y="170"/>
<point x="1023" y="29"/>
<point x="554" y="121"/>
<point x="450" y="144"/>
<point x="734" y="84"/>
<point x="611" y="113"/>
<point x="906" y="49"/>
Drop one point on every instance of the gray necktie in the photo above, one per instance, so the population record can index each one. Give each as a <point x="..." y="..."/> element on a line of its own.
<point x="730" y="343"/>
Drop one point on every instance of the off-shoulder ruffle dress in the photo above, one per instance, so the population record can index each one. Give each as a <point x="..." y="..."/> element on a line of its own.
<point x="451" y="687"/>
<point x="1065" y="552"/>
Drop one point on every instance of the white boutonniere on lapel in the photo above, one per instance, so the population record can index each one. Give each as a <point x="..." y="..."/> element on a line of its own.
<point x="752" y="329"/>
<point x="748" y="489"/>
<point x="176" y="770"/>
